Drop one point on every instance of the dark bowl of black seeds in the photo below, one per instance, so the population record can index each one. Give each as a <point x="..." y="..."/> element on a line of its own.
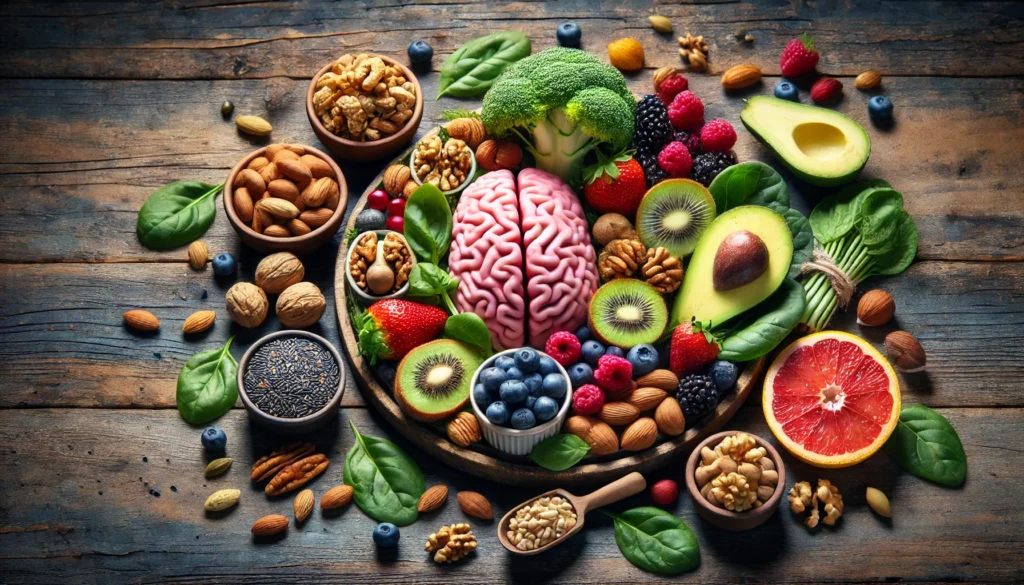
<point x="292" y="381"/>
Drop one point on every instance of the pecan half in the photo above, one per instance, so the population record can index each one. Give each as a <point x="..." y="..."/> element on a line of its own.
<point x="270" y="464"/>
<point x="297" y="474"/>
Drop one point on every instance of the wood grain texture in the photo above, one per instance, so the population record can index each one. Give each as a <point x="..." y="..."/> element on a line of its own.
<point x="78" y="503"/>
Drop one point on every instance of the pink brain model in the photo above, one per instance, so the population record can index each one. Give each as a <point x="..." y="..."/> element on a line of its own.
<point x="493" y="227"/>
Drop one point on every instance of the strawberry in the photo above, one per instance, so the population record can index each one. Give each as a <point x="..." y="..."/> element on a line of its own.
<point x="615" y="184"/>
<point x="798" y="57"/>
<point x="691" y="349"/>
<point x="391" y="328"/>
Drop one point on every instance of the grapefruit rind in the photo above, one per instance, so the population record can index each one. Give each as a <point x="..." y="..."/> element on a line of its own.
<point x="800" y="451"/>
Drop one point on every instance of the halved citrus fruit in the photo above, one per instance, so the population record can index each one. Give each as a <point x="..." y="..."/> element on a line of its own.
<point x="831" y="399"/>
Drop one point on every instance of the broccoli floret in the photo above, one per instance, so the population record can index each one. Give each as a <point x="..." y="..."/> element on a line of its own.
<point x="562" y="103"/>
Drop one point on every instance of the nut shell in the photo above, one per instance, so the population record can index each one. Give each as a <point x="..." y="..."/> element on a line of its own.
<point x="494" y="155"/>
<point x="640" y="435"/>
<point x="875" y="308"/>
<point x="612" y="226"/>
<point x="300" y="305"/>
<point x="905" y="351"/>
<point x="475" y="505"/>
<point x="278" y="271"/>
<point x="395" y="178"/>
<point x="336" y="497"/>
<point x="469" y="130"/>
<point x="221" y="500"/>
<point x="247" y="304"/>
<point x="464" y="429"/>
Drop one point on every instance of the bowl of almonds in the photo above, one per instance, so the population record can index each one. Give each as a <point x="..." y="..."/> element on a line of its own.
<point x="286" y="197"/>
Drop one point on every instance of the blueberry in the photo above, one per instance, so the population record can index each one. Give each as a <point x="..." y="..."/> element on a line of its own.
<point x="545" y="408"/>
<point x="644" y="359"/>
<point x="482" y="396"/>
<point x="580" y="374"/>
<point x="568" y="34"/>
<point x="533" y="383"/>
<point x="385" y="535"/>
<point x="224" y="265"/>
<point x="785" y="90"/>
<point x="214" y="439"/>
<point x="592" y="351"/>
<point x="420" y="53"/>
<point x="547" y="366"/>
<point x="724" y="374"/>
<point x="584" y="334"/>
<point x="514" y="373"/>
<point x="615" y="351"/>
<point x="497" y="413"/>
<point x="514" y="392"/>
<point x="880" y="108"/>
<point x="530" y="401"/>
<point x="554" y="386"/>
<point x="527" y="360"/>
<point x="504" y="362"/>
<point x="523" y="419"/>
<point x="492" y="379"/>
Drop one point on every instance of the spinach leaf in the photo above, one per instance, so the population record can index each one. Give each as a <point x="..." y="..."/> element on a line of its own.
<point x="903" y="251"/>
<point x="560" y="452"/>
<point x="470" y="329"/>
<point x="176" y="214"/>
<point x="656" y="541"/>
<point x="207" y="385"/>
<point x="427" y="280"/>
<point x="386" y="483"/>
<point x="834" y="216"/>
<point x="879" y="213"/>
<point x="803" y="237"/>
<point x="428" y="224"/>
<point x="473" y="67"/>
<point x="925" y="444"/>
<point x="765" y="326"/>
<point x="749" y="183"/>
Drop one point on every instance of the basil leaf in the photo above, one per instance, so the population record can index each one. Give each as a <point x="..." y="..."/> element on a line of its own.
<point x="386" y="483"/>
<point x="903" y="251"/>
<point x="428" y="224"/>
<point x="207" y="385"/>
<point x="176" y="214"/>
<point x="925" y="444"/>
<point x="656" y="541"/>
<point x="470" y="329"/>
<point x="560" y="452"/>
<point x="427" y="280"/>
<point x="473" y="67"/>
<point x="765" y="326"/>
<point x="834" y="216"/>
<point x="749" y="183"/>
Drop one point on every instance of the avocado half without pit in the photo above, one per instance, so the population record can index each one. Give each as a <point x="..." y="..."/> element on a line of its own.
<point x="740" y="259"/>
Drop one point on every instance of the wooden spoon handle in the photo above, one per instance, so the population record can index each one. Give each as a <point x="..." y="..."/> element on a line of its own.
<point x="619" y="489"/>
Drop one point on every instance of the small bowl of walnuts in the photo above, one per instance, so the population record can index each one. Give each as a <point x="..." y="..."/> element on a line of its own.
<point x="364" y="107"/>
<point x="286" y="197"/>
<point x="447" y="164"/>
<point x="378" y="266"/>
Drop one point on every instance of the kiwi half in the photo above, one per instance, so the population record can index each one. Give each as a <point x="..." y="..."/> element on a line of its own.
<point x="626" y="312"/>
<point x="433" y="380"/>
<point x="673" y="215"/>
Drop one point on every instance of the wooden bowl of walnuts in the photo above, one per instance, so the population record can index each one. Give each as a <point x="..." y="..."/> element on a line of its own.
<point x="286" y="197"/>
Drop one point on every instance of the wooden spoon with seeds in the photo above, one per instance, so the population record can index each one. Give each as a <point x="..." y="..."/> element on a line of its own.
<point x="619" y="489"/>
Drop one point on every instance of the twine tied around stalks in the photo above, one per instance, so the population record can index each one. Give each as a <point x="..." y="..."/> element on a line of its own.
<point x="841" y="283"/>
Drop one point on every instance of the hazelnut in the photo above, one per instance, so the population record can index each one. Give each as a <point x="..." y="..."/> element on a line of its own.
<point x="875" y="308"/>
<point x="905" y="352"/>
<point x="493" y="155"/>
<point x="247" y="304"/>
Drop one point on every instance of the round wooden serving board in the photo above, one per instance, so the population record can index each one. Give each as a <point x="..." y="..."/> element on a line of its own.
<point x="484" y="461"/>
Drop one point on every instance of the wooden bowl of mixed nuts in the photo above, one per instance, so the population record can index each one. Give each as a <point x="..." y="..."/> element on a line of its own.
<point x="364" y="107"/>
<point x="286" y="197"/>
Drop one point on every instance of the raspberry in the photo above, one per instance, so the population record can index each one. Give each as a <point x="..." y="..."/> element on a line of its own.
<point x="675" y="160"/>
<point x="587" y="400"/>
<point x="686" y="111"/>
<point x="798" y="57"/>
<point x="563" y="347"/>
<point x="670" y="87"/>
<point x="613" y="373"/>
<point x="718" y="135"/>
<point x="826" y="89"/>
<point x="665" y="492"/>
<point x="691" y="140"/>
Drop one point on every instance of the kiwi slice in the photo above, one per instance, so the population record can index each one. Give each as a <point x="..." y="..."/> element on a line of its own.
<point x="433" y="380"/>
<point x="673" y="215"/>
<point x="626" y="312"/>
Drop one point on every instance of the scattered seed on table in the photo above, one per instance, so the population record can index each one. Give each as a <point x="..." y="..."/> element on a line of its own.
<point x="291" y="377"/>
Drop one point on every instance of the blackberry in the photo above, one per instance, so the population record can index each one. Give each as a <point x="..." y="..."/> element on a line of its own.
<point x="652" y="128"/>
<point x="707" y="166"/>
<point x="652" y="171"/>
<point x="691" y="140"/>
<point x="697" y="395"/>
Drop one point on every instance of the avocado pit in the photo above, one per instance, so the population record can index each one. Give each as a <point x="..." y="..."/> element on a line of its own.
<point x="741" y="258"/>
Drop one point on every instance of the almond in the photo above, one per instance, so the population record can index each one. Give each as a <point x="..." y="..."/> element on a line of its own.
<point x="251" y="180"/>
<point x="243" y="204"/>
<point x="663" y="379"/>
<point x="297" y="227"/>
<point x="905" y="351"/>
<point x="198" y="322"/>
<point x="258" y="163"/>
<point x="669" y="417"/>
<point x="741" y="76"/>
<point x="875" y="308"/>
<point x="217" y="467"/>
<point x="647" y="398"/>
<point x="296" y="148"/>
<point x="464" y="429"/>
<point x="660" y="23"/>
<point x="295" y="170"/>
<point x="198" y="255"/>
<point x="276" y="207"/>
<point x="283" y="189"/>
<point x="269" y="173"/>
<point x="578" y="425"/>
<point x="253" y="125"/>
<point x="618" y="414"/>
<point x="284" y="154"/>
<point x="640" y="435"/>
<point x="315" y="218"/>
<point x="140" y="320"/>
<point x="221" y="500"/>
<point x="276" y="231"/>
<point x="303" y="504"/>
<point x="319" y="192"/>
<point x="270" y="525"/>
<point x="475" y="505"/>
<point x="336" y="497"/>
<point x="260" y="220"/>
<point x="318" y="167"/>
<point x="272" y="149"/>
<point x="601" y="438"/>
<point x="867" y="80"/>
<point x="433" y="498"/>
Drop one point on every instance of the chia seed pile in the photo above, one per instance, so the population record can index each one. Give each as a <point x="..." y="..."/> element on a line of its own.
<point x="291" y="377"/>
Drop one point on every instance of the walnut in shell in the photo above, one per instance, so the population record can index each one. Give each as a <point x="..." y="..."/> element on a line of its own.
<point x="247" y="304"/>
<point x="279" y="271"/>
<point x="300" y="305"/>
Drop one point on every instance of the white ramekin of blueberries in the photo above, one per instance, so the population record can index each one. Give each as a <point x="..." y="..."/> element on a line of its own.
<point x="521" y="397"/>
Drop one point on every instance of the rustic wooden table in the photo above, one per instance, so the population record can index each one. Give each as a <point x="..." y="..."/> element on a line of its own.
<point x="102" y="102"/>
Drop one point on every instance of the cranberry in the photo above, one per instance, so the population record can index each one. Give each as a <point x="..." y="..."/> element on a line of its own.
<point x="397" y="207"/>
<point x="378" y="199"/>
<point x="396" y="223"/>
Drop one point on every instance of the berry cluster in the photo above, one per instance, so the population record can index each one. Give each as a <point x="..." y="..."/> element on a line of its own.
<point x="394" y="209"/>
<point x="521" y="390"/>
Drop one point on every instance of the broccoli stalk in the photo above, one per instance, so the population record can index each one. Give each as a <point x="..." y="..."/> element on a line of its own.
<point x="558" y="146"/>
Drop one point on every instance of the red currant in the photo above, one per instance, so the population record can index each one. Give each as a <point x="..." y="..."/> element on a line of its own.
<point x="378" y="199"/>
<point x="396" y="223"/>
<point x="396" y="207"/>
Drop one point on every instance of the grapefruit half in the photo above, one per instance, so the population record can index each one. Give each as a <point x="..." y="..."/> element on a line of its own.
<point x="831" y="399"/>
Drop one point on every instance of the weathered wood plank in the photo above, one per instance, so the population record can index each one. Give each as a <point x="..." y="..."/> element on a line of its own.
<point x="78" y="502"/>
<point x="62" y="341"/>
<point x="212" y="40"/>
<point x="88" y="153"/>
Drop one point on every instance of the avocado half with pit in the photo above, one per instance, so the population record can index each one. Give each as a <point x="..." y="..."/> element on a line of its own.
<point x="820" y="146"/>
<point x="741" y="259"/>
